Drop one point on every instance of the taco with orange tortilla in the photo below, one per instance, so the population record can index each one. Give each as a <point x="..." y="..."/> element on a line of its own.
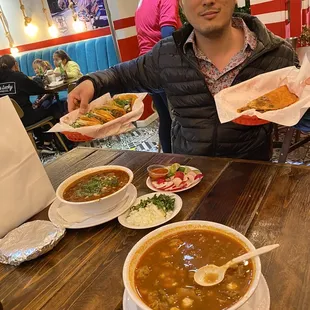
<point x="125" y="101"/>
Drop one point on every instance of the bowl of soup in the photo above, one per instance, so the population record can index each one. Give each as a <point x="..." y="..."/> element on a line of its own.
<point x="96" y="188"/>
<point x="159" y="270"/>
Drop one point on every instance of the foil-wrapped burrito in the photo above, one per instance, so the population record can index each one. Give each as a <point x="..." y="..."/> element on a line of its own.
<point x="29" y="241"/>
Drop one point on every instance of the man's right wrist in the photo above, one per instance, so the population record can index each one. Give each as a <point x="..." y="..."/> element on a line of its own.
<point x="89" y="78"/>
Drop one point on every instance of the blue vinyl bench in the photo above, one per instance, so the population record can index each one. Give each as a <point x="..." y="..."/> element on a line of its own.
<point x="91" y="55"/>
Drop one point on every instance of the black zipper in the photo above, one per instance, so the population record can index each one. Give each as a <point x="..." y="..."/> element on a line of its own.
<point x="250" y="60"/>
<point x="217" y="122"/>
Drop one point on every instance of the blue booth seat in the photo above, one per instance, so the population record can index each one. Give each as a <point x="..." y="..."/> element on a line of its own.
<point x="91" y="55"/>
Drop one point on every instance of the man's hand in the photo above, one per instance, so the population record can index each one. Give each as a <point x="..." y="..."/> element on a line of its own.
<point x="80" y="96"/>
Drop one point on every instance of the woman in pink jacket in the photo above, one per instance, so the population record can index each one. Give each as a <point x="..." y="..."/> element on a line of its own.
<point x="155" y="20"/>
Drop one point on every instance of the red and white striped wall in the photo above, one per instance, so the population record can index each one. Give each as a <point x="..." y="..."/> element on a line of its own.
<point x="122" y="14"/>
<point x="305" y="6"/>
<point x="283" y="17"/>
<point x="273" y="13"/>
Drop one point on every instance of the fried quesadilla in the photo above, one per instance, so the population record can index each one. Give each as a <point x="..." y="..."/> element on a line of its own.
<point x="275" y="100"/>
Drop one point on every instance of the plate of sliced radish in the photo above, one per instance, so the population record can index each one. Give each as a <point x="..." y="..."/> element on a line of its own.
<point x="179" y="179"/>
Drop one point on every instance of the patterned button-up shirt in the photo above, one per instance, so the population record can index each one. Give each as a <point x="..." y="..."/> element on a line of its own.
<point x="217" y="80"/>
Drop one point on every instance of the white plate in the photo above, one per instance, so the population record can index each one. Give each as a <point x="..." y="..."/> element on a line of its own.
<point x="150" y="185"/>
<point x="260" y="300"/>
<point x="177" y="207"/>
<point x="96" y="220"/>
<point x="56" y="83"/>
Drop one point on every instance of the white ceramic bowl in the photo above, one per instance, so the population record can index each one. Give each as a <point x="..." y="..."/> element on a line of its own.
<point x="99" y="205"/>
<point x="163" y="232"/>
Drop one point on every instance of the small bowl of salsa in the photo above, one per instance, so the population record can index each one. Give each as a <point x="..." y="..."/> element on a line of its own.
<point x="157" y="172"/>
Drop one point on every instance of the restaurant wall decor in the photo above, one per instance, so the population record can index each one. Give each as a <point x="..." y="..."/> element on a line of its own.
<point x="52" y="29"/>
<point x="6" y="29"/>
<point x="91" y="13"/>
<point x="30" y="28"/>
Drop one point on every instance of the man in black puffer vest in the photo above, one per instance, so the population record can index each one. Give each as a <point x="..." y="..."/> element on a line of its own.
<point x="174" y="65"/>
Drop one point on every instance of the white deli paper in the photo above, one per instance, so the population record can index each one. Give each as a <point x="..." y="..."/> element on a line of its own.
<point x="25" y="188"/>
<point x="115" y="127"/>
<point x="232" y="98"/>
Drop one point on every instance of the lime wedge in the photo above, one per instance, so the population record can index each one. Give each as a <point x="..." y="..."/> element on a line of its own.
<point x="173" y="168"/>
<point x="186" y="170"/>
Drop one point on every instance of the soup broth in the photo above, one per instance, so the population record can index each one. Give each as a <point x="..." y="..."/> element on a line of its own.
<point x="96" y="185"/>
<point x="164" y="277"/>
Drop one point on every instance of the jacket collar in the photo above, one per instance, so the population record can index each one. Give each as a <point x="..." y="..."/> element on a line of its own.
<point x="267" y="39"/>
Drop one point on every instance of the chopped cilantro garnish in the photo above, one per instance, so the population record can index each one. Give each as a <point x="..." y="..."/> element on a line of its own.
<point x="122" y="102"/>
<point x="96" y="185"/>
<point x="161" y="201"/>
<point x="76" y="125"/>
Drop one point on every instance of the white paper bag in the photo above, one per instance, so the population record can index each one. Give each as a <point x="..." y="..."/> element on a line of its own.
<point x="25" y="188"/>
<point x="230" y="99"/>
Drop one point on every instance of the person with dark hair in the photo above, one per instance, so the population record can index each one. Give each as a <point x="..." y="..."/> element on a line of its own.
<point x="65" y="66"/>
<point x="156" y="20"/>
<point x="20" y="87"/>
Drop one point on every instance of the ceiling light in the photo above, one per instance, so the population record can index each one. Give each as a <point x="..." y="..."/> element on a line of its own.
<point x="52" y="29"/>
<point x="14" y="51"/>
<point x="78" y="25"/>
<point x="30" y="29"/>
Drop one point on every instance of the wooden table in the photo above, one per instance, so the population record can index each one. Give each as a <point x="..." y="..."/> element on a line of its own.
<point x="266" y="202"/>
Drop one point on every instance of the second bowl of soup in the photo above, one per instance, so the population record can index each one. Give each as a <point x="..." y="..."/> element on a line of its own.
<point x="159" y="270"/>
<point x="96" y="188"/>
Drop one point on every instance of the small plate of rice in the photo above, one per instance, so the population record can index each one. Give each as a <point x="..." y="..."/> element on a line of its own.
<point x="151" y="210"/>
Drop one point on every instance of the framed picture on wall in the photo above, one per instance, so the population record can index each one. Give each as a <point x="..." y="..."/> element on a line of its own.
<point x="91" y="12"/>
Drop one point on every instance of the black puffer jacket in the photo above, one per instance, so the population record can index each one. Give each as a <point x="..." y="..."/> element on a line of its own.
<point x="196" y="128"/>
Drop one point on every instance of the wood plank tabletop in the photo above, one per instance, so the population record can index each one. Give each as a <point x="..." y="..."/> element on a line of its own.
<point x="268" y="203"/>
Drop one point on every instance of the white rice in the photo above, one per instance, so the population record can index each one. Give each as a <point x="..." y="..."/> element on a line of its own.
<point x="147" y="216"/>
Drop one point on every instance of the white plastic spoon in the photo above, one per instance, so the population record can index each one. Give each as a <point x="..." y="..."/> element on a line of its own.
<point x="210" y="275"/>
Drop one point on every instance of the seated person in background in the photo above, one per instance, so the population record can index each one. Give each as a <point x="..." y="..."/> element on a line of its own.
<point x="40" y="67"/>
<point x="65" y="66"/>
<point x="20" y="87"/>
